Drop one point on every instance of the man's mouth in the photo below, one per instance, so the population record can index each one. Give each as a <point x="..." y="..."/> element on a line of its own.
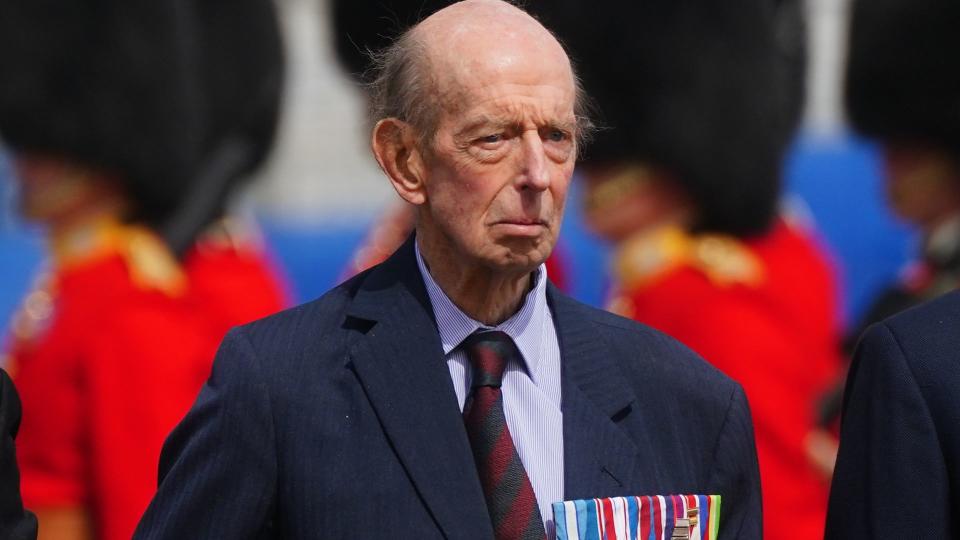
<point x="523" y="221"/>
<point x="521" y="226"/>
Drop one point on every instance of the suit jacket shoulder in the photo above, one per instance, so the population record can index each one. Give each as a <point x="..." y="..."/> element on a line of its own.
<point x="15" y="522"/>
<point x="640" y="350"/>
<point x="317" y="331"/>
<point x="897" y="473"/>
<point x="929" y="337"/>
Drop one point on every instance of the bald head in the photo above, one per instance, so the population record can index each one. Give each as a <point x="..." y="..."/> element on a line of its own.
<point x="437" y="64"/>
<point x="475" y="42"/>
<point x="474" y="29"/>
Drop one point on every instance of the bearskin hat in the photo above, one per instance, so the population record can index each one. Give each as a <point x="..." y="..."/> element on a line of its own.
<point x="147" y="89"/>
<point x="364" y="26"/>
<point x="710" y="90"/>
<point x="903" y="76"/>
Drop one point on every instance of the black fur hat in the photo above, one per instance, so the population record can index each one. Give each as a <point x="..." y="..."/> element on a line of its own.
<point x="710" y="90"/>
<point x="168" y="94"/>
<point x="903" y="72"/>
<point x="364" y="26"/>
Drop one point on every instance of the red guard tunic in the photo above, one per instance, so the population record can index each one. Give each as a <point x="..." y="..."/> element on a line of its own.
<point x="109" y="355"/>
<point x="764" y="313"/>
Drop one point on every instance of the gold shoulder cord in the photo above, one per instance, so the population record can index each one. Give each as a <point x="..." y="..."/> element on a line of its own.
<point x="727" y="261"/>
<point x="151" y="264"/>
<point x="643" y="258"/>
<point x="724" y="260"/>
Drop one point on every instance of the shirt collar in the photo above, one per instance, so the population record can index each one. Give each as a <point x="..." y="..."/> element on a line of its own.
<point x="525" y="327"/>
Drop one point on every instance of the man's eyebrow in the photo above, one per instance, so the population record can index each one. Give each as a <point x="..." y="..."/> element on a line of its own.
<point x="565" y="125"/>
<point x="480" y="121"/>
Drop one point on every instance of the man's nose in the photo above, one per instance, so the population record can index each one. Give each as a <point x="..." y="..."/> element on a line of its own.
<point x="535" y="174"/>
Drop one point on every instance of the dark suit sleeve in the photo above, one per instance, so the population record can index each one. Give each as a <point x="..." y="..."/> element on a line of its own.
<point x="15" y="522"/>
<point x="218" y="468"/>
<point x="736" y="474"/>
<point x="891" y="477"/>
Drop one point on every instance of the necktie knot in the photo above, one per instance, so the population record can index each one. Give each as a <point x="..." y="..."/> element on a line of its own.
<point x="488" y="352"/>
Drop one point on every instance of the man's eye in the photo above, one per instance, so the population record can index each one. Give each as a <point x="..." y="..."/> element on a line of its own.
<point x="492" y="138"/>
<point x="557" y="135"/>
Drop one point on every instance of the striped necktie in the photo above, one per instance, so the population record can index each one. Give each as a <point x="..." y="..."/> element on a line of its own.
<point x="510" y="498"/>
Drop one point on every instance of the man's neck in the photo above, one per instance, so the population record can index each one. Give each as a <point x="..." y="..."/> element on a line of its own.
<point x="483" y="294"/>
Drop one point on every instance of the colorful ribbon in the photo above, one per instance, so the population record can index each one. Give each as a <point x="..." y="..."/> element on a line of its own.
<point x="651" y="517"/>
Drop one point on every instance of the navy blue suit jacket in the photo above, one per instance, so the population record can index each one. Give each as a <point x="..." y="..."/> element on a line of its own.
<point x="338" y="419"/>
<point x="898" y="471"/>
<point x="15" y="522"/>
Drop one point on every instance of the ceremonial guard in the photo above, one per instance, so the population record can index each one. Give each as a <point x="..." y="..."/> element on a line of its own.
<point x="130" y="124"/>
<point x="904" y="93"/>
<point x="898" y="469"/>
<point x="919" y="147"/>
<point x="698" y="103"/>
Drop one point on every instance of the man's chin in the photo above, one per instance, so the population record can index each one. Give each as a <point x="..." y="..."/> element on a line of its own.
<point x="523" y="256"/>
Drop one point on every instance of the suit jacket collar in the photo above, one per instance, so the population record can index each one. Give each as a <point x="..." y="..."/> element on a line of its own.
<point x="400" y="362"/>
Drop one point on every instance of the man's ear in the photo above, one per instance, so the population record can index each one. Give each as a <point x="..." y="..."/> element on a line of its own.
<point x="395" y="146"/>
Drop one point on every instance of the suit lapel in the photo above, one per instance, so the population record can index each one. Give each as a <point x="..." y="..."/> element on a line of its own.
<point x="600" y="459"/>
<point x="400" y="364"/>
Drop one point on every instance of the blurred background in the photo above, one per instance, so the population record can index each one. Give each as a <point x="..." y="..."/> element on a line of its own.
<point x="321" y="190"/>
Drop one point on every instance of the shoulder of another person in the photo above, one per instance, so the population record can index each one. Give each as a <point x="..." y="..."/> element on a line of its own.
<point x="6" y="386"/>
<point x="928" y="337"/>
<point x="9" y="408"/>
<point x="940" y="314"/>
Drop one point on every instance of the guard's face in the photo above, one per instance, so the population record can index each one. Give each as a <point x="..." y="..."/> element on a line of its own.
<point x="923" y="184"/>
<point x="498" y="168"/>
<point x="51" y="189"/>
<point x="623" y="200"/>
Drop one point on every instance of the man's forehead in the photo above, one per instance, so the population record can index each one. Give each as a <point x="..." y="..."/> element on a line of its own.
<point x="487" y="38"/>
<point x="546" y="104"/>
<point x="474" y="58"/>
<point x="507" y="104"/>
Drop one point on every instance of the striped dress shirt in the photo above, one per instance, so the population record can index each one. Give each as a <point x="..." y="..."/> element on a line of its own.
<point x="531" y="389"/>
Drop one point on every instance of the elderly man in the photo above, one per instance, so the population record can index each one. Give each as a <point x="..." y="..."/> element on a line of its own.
<point x="451" y="392"/>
